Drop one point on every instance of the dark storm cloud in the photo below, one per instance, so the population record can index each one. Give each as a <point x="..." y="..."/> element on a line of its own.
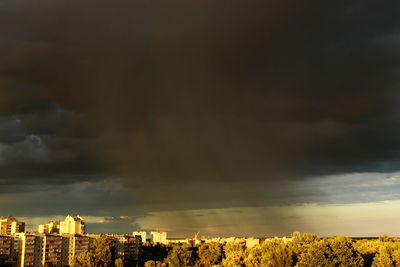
<point x="10" y="130"/>
<point x="207" y="104"/>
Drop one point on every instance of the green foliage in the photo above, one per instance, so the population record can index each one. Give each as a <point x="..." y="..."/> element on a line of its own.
<point x="253" y="256"/>
<point x="306" y="238"/>
<point x="156" y="252"/>
<point x="388" y="255"/>
<point x="119" y="262"/>
<point x="384" y="238"/>
<point x="299" y="251"/>
<point x="152" y="263"/>
<point x="84" y="259"/>
<point x="102" y="250"/>
<point x="210" y="254"/>
<point x="100" y="254"/>
<point x="368" y="249"/>
<point x="234" y="255"/>
<point x="276" y="252"/>
<point x="181" y="255"/>
<point x="302" y="243"/>
<point x="337" y="251"/>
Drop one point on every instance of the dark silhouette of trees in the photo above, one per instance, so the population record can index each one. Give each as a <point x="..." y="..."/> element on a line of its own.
<point x="156" y="253"/>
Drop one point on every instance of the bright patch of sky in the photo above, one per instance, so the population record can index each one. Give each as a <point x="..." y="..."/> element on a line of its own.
<point x="353" y="220"/>
<point x="357" y="204"/>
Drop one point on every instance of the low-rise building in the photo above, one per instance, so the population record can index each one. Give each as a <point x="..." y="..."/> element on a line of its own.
<point x="251" y="242"/>
<point x="178" y="241"/>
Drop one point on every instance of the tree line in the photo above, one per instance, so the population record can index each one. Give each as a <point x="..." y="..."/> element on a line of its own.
<point x="299" y="251"/>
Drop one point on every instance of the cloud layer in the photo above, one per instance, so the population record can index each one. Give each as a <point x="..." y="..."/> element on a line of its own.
<point x="194" y="105"/>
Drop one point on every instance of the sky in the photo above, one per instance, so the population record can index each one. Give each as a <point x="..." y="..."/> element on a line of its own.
<point x="246" y="118"/>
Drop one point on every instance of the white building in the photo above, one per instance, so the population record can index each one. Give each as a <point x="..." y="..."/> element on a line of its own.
<point x="252" y="242"/>
<point x="72" y="225"/>
<point x="142" y="234"/>
<point x="158" y="237"/>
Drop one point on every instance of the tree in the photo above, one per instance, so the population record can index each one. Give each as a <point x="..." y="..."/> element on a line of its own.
<point x="384" y="238"/>
<point x="275" y="252"/>
<point x="119" y="262"/>
<point x="234" y="254"/>
<point x="253" y="256"/>
<point x="152" y="263"/>
<point x="103" y="251"/>
<point x="368" y="249"/>
<point x="302" y="243"/>
<point x="210" y="254"/>
<point x="337" y="251"/>
<point x="388" y="255"/>
<point x="181" y="255"/>
<point x="84" y="259"/>
<point x="153" y="252"/>
<point x="101" y="254"/>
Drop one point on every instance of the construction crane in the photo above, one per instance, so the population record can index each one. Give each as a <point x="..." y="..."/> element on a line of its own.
<point x="195" y="236"/>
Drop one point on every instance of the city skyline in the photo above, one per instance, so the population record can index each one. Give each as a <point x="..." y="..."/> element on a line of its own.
<point x="252" y="118"/>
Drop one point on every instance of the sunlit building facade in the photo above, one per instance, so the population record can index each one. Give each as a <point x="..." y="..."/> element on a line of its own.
<point x="158" y="237"/>
<point x="9" y="226"/>
<point x="72" y="225"/>
<point x="29" y="248"/>
<point x="52" y="227"/>
<point x="55" y="250"/>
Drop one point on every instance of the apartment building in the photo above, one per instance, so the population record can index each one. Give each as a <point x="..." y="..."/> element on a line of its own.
<point x="72" y="225"/>
<point x="6" y="251"/>
<point x="158" y="237"/>
<point x="127" y="247"/>
<point x="78" y="244"/>
<point x="10" y="225"/>
<point x="52" y="227"/>
<point x="142" y="234"/>
<point x="55" y="250"/>
<point x="29" y="248"/>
